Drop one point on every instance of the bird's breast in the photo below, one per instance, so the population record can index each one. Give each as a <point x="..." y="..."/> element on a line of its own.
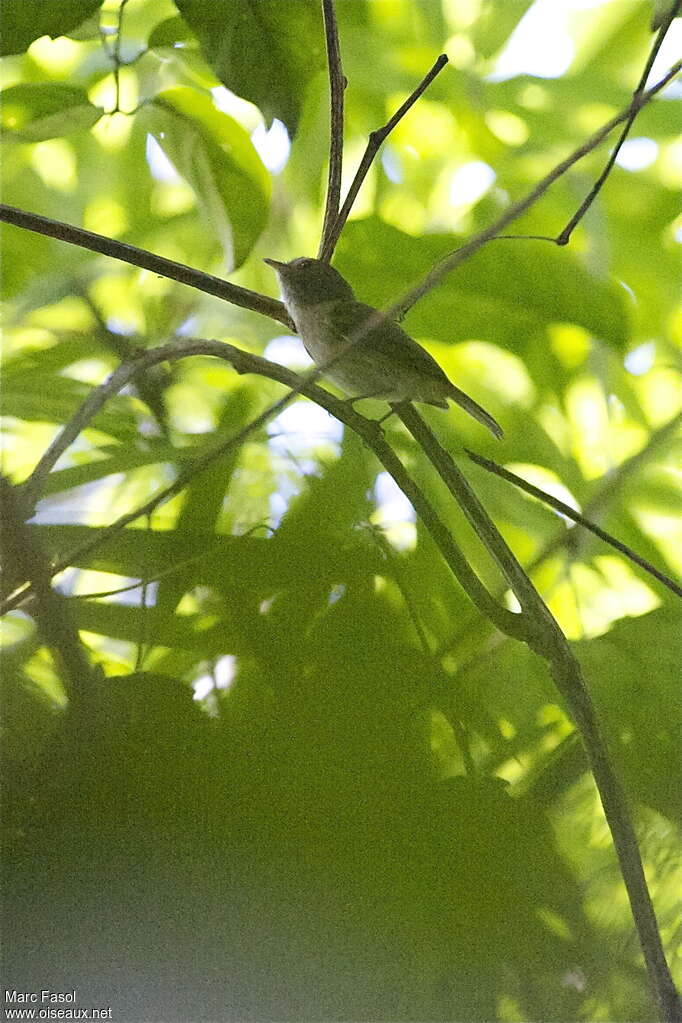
<point x="314" y="324"/>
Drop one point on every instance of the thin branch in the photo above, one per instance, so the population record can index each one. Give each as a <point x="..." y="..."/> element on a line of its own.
<point x="567" y="675"/>
<point x="31" y="488"/>
<point x="337" y="84"/>
<point x="454" y="259"/>
<point x="242" y="361"/>
<point x="207" y="283"/>
<point x="374" y="143"/>
<point x="571" y="513"/>
<point x="564" y="237"/>
<point x="615" y="479"/>
<point x="23" y="558"/>
<point x="544" y="636"/>
<point x="613" y="482"/>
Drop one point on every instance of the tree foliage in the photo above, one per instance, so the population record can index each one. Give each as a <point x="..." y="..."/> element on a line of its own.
<point x="310" y="780"/>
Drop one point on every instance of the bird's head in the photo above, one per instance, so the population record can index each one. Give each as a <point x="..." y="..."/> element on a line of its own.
<point x="307" y="281"/>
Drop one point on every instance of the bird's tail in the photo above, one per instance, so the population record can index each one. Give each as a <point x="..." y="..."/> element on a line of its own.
<point x="475" y="410"/>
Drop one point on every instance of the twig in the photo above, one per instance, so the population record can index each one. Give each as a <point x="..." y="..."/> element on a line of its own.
<point x="564" y="237"/>
<point x="448" y="263"/>
<point x="571" y="513"/>
<point x="337" y="84"/>
<point x="545" y="638"/>
<point x="210" y="285"/>
<point x="23" y="558"/>
<point x="611" y="485"/>
<point x="374" y="143"/>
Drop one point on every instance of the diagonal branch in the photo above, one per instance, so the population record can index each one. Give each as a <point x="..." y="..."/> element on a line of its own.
<point x="564" y="237"/>
<point x="448" y="263"/>
<point x="614" y="482"/>
<point x="611" y="485"/>
<point x="571" y="513"/>
<point x="481" y="523"/>
<point x="337" y="84"/>
<point x="207" y="283"/>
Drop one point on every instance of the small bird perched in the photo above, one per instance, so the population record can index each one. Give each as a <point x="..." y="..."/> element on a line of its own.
<point x="384" y="362"/>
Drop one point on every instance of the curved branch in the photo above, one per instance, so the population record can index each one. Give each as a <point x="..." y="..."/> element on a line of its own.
<point x="575" y="516"/>
<point x="244" y="362"/>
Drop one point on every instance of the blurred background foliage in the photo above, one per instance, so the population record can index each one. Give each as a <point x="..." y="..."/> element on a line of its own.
<point x="315" y="783"/>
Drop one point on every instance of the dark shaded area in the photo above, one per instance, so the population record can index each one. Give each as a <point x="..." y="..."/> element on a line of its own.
<point x="294" y="858"/>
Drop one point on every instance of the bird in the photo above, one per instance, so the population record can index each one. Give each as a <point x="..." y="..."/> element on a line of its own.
<point x="364" y="352"/>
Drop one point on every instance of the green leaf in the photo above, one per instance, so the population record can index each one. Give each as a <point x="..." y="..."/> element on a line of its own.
<point x="251" y="564"/>
<point x="170" y="33"/>
<point x="127" y="623"/>
<point x="46" y="398"/>
<point x="204" y="499"/>
<point x="23" y="21"/>
<point x="662" y="10"/>
<point x="119" y="460"/>
<point x="264" y="50"/>
<point x="216" y="157"/>
<point x="495" y="24"/>
<point x="504" y="293"/>
<point x="33" y="112"/>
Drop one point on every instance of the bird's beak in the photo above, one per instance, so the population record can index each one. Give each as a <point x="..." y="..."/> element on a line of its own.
<point x="274" y="263"/>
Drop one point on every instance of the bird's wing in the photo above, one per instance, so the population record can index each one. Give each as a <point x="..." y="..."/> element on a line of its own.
<point x="387" y="340"/>
<point x="397" y="353"/>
